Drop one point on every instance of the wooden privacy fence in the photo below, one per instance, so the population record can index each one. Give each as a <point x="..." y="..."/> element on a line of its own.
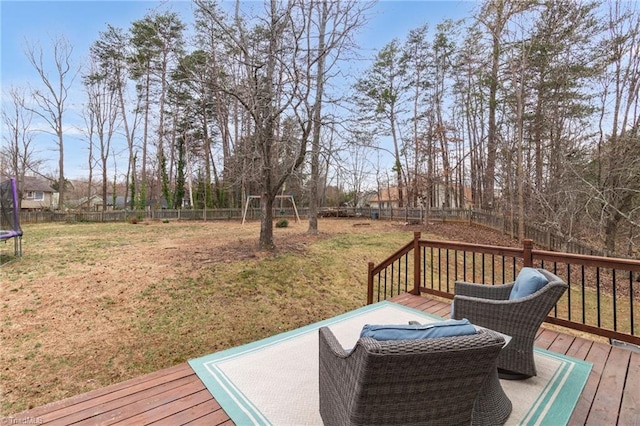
<point x="500" y="222"/>
<point x="603" y="296"/>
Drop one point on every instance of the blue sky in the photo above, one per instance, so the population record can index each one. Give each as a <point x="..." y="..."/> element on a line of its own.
<point x="38" y="22"/>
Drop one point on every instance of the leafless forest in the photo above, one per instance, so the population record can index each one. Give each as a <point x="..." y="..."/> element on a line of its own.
<point x="526" y="107"/>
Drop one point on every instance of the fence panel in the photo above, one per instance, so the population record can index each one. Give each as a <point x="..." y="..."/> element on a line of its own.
<point x="414" y="215"/>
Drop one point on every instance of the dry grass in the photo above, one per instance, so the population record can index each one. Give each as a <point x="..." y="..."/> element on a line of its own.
<point x="94" y="304"/>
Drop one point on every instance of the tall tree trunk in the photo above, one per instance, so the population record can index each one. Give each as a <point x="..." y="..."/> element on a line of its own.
<point x="519" y="92"/>
<point x="142" y="202"/>
<point x="266" y="130"/>
<point x="317" y="123"/>
<point x="492" y="148"/>
<point x="398" y="163"/>
<point x="129" y="136"/>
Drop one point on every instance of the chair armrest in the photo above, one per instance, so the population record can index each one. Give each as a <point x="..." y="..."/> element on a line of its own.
<point x="497" y="315"/>
<point x="508" y="316"/>
<point x="329" y="341"/>
<point x="493" y="292"/>
<point x="467" y="307"/>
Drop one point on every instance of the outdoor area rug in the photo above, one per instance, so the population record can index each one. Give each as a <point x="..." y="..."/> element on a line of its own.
<point x="275" y="380"/>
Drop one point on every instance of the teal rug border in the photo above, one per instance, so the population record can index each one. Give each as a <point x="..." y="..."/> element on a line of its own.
<point x="228" y="397"/>
<point x="566" y="385"/>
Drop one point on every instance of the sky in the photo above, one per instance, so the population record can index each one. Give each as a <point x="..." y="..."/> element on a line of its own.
<point x="37" y="23"/>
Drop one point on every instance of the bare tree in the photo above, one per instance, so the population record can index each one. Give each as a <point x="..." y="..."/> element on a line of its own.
<point x="89" y="117"/>
<point x="618" y="176"/>
<point x="517" y="72"/>
<point x="380" y="97"/>
<point x="417" y="50"/>
<point x="317" y="114"/>
<point x="359" y="169"/>
<point x="331" y="25"/>
<point x="51" y="100"/>
<point x="273" y="86"/>
<point x="495" y="16"/>
<point x="111" y="51"/>
<point x="103" y="110"/>
<point x="19" y="151"/>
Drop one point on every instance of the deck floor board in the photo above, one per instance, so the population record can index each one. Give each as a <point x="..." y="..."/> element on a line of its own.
<point x="176" y="396"/>
<point x="210" y="406"/>
<point x="605" y="408"/>
<point x="630" y="406"/>
<point x="597" y="355"/>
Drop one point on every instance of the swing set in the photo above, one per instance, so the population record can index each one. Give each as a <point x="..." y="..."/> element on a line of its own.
<point x="280" y="197"/>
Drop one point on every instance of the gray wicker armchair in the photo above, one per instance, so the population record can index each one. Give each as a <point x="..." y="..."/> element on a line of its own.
<point x="489" y="306"/>
<point x="405" y="382"/>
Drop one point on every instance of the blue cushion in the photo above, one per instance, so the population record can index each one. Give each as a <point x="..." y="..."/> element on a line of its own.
<point x="448" y="328"/>
<point x="529" y="281"/>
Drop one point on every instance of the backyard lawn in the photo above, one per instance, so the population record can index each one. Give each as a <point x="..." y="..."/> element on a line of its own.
<point x="89" y="305"/>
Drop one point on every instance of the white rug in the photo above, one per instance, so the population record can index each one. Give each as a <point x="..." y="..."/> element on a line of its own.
<point x="274" y="381"/>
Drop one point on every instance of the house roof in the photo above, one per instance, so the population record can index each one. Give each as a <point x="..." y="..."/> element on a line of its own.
<point x="33" y="183"/>
<point x="95" y="199"/>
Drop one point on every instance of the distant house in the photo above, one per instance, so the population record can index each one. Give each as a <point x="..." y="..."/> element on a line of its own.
<point x="385" y="199"/>
<point x="119" y="202"/>
<point x="93" y="203"/>
<point x="388" y="198"/>
<point x="37" y="194"/>
<point x="438" y="197"/>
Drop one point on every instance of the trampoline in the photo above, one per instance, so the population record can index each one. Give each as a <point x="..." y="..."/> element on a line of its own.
<point x="9" y="215"/>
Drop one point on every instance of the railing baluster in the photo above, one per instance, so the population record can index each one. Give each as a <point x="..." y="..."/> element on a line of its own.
<point x="447" y="278"/>
<point x="584" y="318"/>
<point x="393" y="275"/>
<point x="406" y="274"/>
<point x="424" y="266"/>
<point x="439" y="269"/>
<point x="464" y="266"/>
<point x="631" y="300"/>
<point x="385" y="283"/>
<point x="473" y="266"/>
<point x="493" y="269"/>
<point x="555" y="271"/>
<point x="568" y="292"/>
<point x="484" y="279"/>
<point x="431" y="253"/>
<point x="615" y="310"/>
<point x="513" y="268"/>
<point x="455" y="265"/>
<point x="598" y="295"/>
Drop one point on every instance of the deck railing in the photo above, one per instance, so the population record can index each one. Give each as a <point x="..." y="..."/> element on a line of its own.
<point x="603" y="296"/>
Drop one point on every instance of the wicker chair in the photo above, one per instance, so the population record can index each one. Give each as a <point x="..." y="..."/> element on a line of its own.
<point x="405" y="382"/>
<point x="489" y="306"/>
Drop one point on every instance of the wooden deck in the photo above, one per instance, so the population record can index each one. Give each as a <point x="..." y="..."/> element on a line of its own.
<point x="176" y="396"/>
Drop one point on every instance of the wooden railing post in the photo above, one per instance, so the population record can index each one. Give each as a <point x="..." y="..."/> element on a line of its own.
<point x="370" y="284"/>
<point x="527" y="255"/>
<point x="416" y="264"/>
